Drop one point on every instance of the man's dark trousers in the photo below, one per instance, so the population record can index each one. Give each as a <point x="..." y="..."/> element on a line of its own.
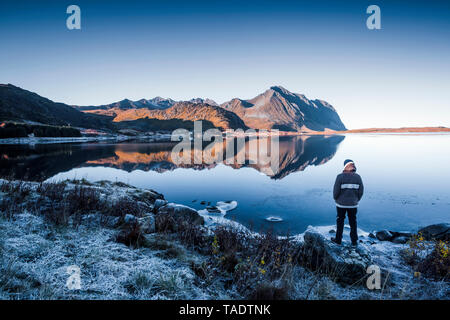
<point x="351" y="212"/>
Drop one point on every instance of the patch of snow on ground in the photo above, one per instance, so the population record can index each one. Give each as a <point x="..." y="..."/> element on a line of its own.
<point x="35" y="256"/>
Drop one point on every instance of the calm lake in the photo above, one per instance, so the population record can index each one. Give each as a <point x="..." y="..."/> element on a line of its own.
<point x="406" y="177"/>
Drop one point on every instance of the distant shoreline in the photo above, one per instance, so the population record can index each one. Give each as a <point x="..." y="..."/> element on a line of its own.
<point x="398" y="130"/>
<point x="376" y="130"/>
<point x="120" y="138"/>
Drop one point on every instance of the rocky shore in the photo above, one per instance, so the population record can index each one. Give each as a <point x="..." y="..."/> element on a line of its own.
<point x="130" y="243"/>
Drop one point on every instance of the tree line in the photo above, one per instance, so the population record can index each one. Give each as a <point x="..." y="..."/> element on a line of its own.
<point x="22" y="130"/>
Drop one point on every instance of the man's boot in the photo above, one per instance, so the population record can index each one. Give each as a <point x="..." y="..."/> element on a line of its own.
<point x="335" y="241"/>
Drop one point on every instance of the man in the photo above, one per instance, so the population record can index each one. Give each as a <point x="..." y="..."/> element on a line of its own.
<point x="348" y="190"/>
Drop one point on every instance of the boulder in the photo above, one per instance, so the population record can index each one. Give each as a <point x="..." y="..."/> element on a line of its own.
<point x="345" y="263"/>
<point x="147" y="223"/>
<point x="384" y="235"/>
<point x="149" y="196"/>
<point x="158" y="204"/>
<point x="185" y="213"/>
<point x="440" y="231"/>
<point x="401" y="234"/>
<point x="213" y="209"/>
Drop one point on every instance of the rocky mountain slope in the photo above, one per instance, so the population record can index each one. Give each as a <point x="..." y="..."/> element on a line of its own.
<point x="277" y="108"/>
<point x="17" y="104"/>
<point x="219" y="117"/>
<point x="207" y="101"/>
<point x="114" y="109"/>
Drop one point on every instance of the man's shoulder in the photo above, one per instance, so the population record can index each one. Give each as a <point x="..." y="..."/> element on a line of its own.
<point x="348" y="174"/>
<point x="339" y="175"/>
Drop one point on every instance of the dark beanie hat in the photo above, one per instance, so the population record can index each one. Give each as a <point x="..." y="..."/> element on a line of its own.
<point x="347" y="161"/>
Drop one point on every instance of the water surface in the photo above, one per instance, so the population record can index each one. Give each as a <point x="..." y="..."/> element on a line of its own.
<point x="406" y="177"/>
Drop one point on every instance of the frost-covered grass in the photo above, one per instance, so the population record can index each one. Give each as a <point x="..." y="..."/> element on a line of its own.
<point x="179" y="260"/>
<point x="398" y="279"/>
<point x="42" y="232"/>
<point x="35" y="257"/>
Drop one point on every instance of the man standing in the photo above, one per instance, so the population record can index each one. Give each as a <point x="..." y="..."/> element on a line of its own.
<point x="348" y="190"/>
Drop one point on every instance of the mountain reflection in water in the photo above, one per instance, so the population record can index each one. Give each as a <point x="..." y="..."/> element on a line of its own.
<point x="40" y="162"/>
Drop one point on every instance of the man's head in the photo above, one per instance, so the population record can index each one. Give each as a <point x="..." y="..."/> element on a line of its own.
<point x="349" y="166"/>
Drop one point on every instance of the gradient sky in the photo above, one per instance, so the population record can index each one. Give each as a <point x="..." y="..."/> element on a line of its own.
<point x="396" y="76"/>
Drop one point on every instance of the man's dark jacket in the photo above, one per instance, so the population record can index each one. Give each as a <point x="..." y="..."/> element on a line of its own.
<point x="348" y="190"/>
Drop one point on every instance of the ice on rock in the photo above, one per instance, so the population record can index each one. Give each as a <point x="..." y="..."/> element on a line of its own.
<point x="226" y="205"/>
<point x="274" y="219"/>
<point x="221" y="208"/>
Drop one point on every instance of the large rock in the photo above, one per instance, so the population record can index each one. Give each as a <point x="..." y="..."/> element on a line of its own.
<point x="396" y="234"/>
<point x="400" y="237"/>
<point x="158" y="204"/>
<point x="344" y="263"/>
<point x="384" y="235"/>
<point x="439" y="231"/>
<point x="185" y="213"/>
<point x="147" y="223"/>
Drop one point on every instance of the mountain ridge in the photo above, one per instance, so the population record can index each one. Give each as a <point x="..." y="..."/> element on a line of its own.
<point x="17" y="104"/>
<point x="275" y="108"/>
<point x="278" y="108"/>
<point x="219" y="117"/>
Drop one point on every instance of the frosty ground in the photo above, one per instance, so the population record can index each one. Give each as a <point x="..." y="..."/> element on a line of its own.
<point x="130" y="244"/>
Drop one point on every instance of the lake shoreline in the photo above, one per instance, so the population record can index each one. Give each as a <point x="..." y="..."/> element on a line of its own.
<point x="125" y="240"/>
<point x="167" y="136"/>
<point x="57" y="140"/>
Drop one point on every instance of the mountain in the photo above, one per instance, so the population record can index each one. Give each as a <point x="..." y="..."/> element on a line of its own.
<point x="113" y="109"/>
<point x="205" y="101"/>
<point x="189" y="111"/>
<point x="278" y="108"/>
<point x="17" y="104"/>
<point x="116" y="108"/>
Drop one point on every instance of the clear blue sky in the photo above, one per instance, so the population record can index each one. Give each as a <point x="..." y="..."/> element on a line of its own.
<point x="397" y="76"/>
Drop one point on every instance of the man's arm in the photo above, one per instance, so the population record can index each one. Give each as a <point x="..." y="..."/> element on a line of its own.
<point x="337" y="188"/>
<point x="361" y="189"/>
